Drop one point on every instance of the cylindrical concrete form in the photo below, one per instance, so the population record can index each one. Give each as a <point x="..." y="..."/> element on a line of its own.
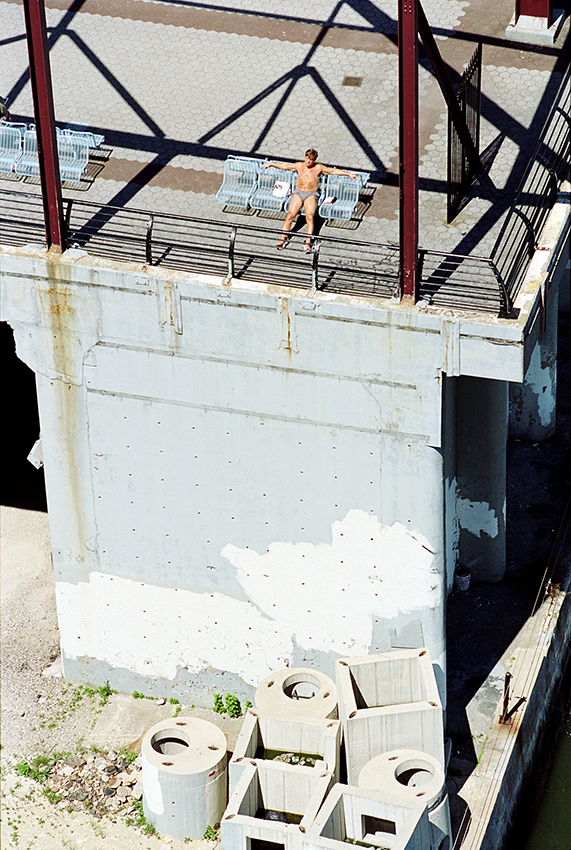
<point x="297" y="692"/>
<point x="411" y="775"/>
<point x="184" y="776"/>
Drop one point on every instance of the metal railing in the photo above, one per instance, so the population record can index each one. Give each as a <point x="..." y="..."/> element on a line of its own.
<point x="202" y="246"/>
<point x="547" y="168"/>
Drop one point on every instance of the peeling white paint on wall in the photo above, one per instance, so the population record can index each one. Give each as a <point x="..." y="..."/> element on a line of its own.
<point x="323" y="595"/>
<point x="539" y="378"/>
<point x="478" y="518"/>
<point x="154" y="631"/>
<point x="327" y="594"/>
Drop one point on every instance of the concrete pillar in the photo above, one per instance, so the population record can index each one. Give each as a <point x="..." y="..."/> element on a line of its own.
<point x="412" y="493"/>
<point x="481" y="436"/>
<point x="532" y="403"/>
<point x="451" y="530"/>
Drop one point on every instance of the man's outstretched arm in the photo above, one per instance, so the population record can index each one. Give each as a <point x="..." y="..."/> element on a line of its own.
<point x="339" y="171"/>
<point x="283" y="165"/>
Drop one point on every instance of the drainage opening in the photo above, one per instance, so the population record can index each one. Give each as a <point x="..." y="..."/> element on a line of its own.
<point x="414" y="775"/>
<point x="301" y="686"/>
<point x="352" y="81"/>
<point x="169" y="742"/>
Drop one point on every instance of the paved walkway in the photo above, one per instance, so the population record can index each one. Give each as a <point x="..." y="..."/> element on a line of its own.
<point x="177" y="86"/>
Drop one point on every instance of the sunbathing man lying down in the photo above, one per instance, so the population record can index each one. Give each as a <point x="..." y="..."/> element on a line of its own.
<point x="305" y="194"/>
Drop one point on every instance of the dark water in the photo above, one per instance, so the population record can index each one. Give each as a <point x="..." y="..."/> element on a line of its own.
<point x="551" y="829"/>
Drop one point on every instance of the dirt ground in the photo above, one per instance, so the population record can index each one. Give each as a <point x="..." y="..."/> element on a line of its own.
<point x="43" y="714"/>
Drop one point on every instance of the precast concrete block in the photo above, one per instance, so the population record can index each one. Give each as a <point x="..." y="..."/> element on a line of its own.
<point x="368" y="818"/>
<point x="310" y="742"/>
<point x="389" y="701"/>
<point x="272" y="802"/>
<point x="298" y="692"/>
<point x="410" y="775"/>
<point x="184" y="776"/>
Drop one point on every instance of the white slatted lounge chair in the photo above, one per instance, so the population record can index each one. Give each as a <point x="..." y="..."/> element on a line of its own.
<point x="341" y="196"/>
<point x="28" y="164"/>
<point x="93" y="140"/>
<point x="73" y="154"/>
<point x="274" y="189"/>
<point x="240" y="181"/>
<point x="10" y="146"/>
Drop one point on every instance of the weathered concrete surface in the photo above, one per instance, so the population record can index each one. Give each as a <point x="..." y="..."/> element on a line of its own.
<point x="348" y="808"/>
<point x="211" y="452"/>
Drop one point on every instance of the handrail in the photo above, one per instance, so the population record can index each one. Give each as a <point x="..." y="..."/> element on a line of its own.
<point x="546" y="168"/>
<point x="336" y="264"/>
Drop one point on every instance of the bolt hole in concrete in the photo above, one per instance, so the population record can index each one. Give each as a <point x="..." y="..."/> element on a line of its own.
<point x="168" y="744"/>
<point x="301" y="686"/>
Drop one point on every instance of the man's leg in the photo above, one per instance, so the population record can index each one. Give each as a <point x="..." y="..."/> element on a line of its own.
<point x="310" y="208"/>
<point x="293" y="209"/>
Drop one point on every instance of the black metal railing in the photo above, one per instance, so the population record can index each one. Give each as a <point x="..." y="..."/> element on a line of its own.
<point x="460" y="170"/>
<point x="202" y="246"/>
<point x="547" y="168"/>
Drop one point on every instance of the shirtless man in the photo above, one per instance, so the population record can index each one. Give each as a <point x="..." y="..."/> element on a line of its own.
<point x="305" y="194"/>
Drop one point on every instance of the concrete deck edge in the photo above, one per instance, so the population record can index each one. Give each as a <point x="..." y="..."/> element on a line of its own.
<point x="492" y="793"/>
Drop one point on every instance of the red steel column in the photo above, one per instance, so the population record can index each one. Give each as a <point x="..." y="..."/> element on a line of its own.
<point x="41" y="82"/>
<point x="408" y="148"/>
<point x="535" y="8"/>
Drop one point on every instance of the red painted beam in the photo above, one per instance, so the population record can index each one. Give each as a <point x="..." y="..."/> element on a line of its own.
<point x="408" y="148"/>
<point x="535" y="8"/>
<point x="42" y="93"/>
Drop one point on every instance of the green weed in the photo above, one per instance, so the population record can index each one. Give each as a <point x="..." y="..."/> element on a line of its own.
<point x="128" y="756"/>
<point x="211" y="833"/>
<point x="233" y="706"/>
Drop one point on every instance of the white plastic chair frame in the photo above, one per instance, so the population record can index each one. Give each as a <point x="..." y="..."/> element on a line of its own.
<point x="240" y="181"/>
<point x="263" y="197"/>
<point x="10" y="146"/>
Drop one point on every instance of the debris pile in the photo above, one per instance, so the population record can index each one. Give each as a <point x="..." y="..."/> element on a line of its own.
<point x="102" y="784"/>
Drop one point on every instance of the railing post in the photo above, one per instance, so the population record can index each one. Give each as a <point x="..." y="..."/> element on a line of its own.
<point x="231" y="245"/>
<point x="41" y="83"/>
<point x="68" y="219"/>
<point x="148" y="241"/>
<point x="315" y="267"/>
<point x="504" y="714"/>
<point x="507" y="302"/>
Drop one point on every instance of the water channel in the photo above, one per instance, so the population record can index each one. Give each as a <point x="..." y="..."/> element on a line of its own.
<point x="551" y="828"/>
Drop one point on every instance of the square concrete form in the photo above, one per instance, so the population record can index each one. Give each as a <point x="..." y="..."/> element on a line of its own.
<point x="291" y="795"/>
<point x="263" y="736"/>
<point x="351" y="815"/>
<point x="386" y="702"/>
